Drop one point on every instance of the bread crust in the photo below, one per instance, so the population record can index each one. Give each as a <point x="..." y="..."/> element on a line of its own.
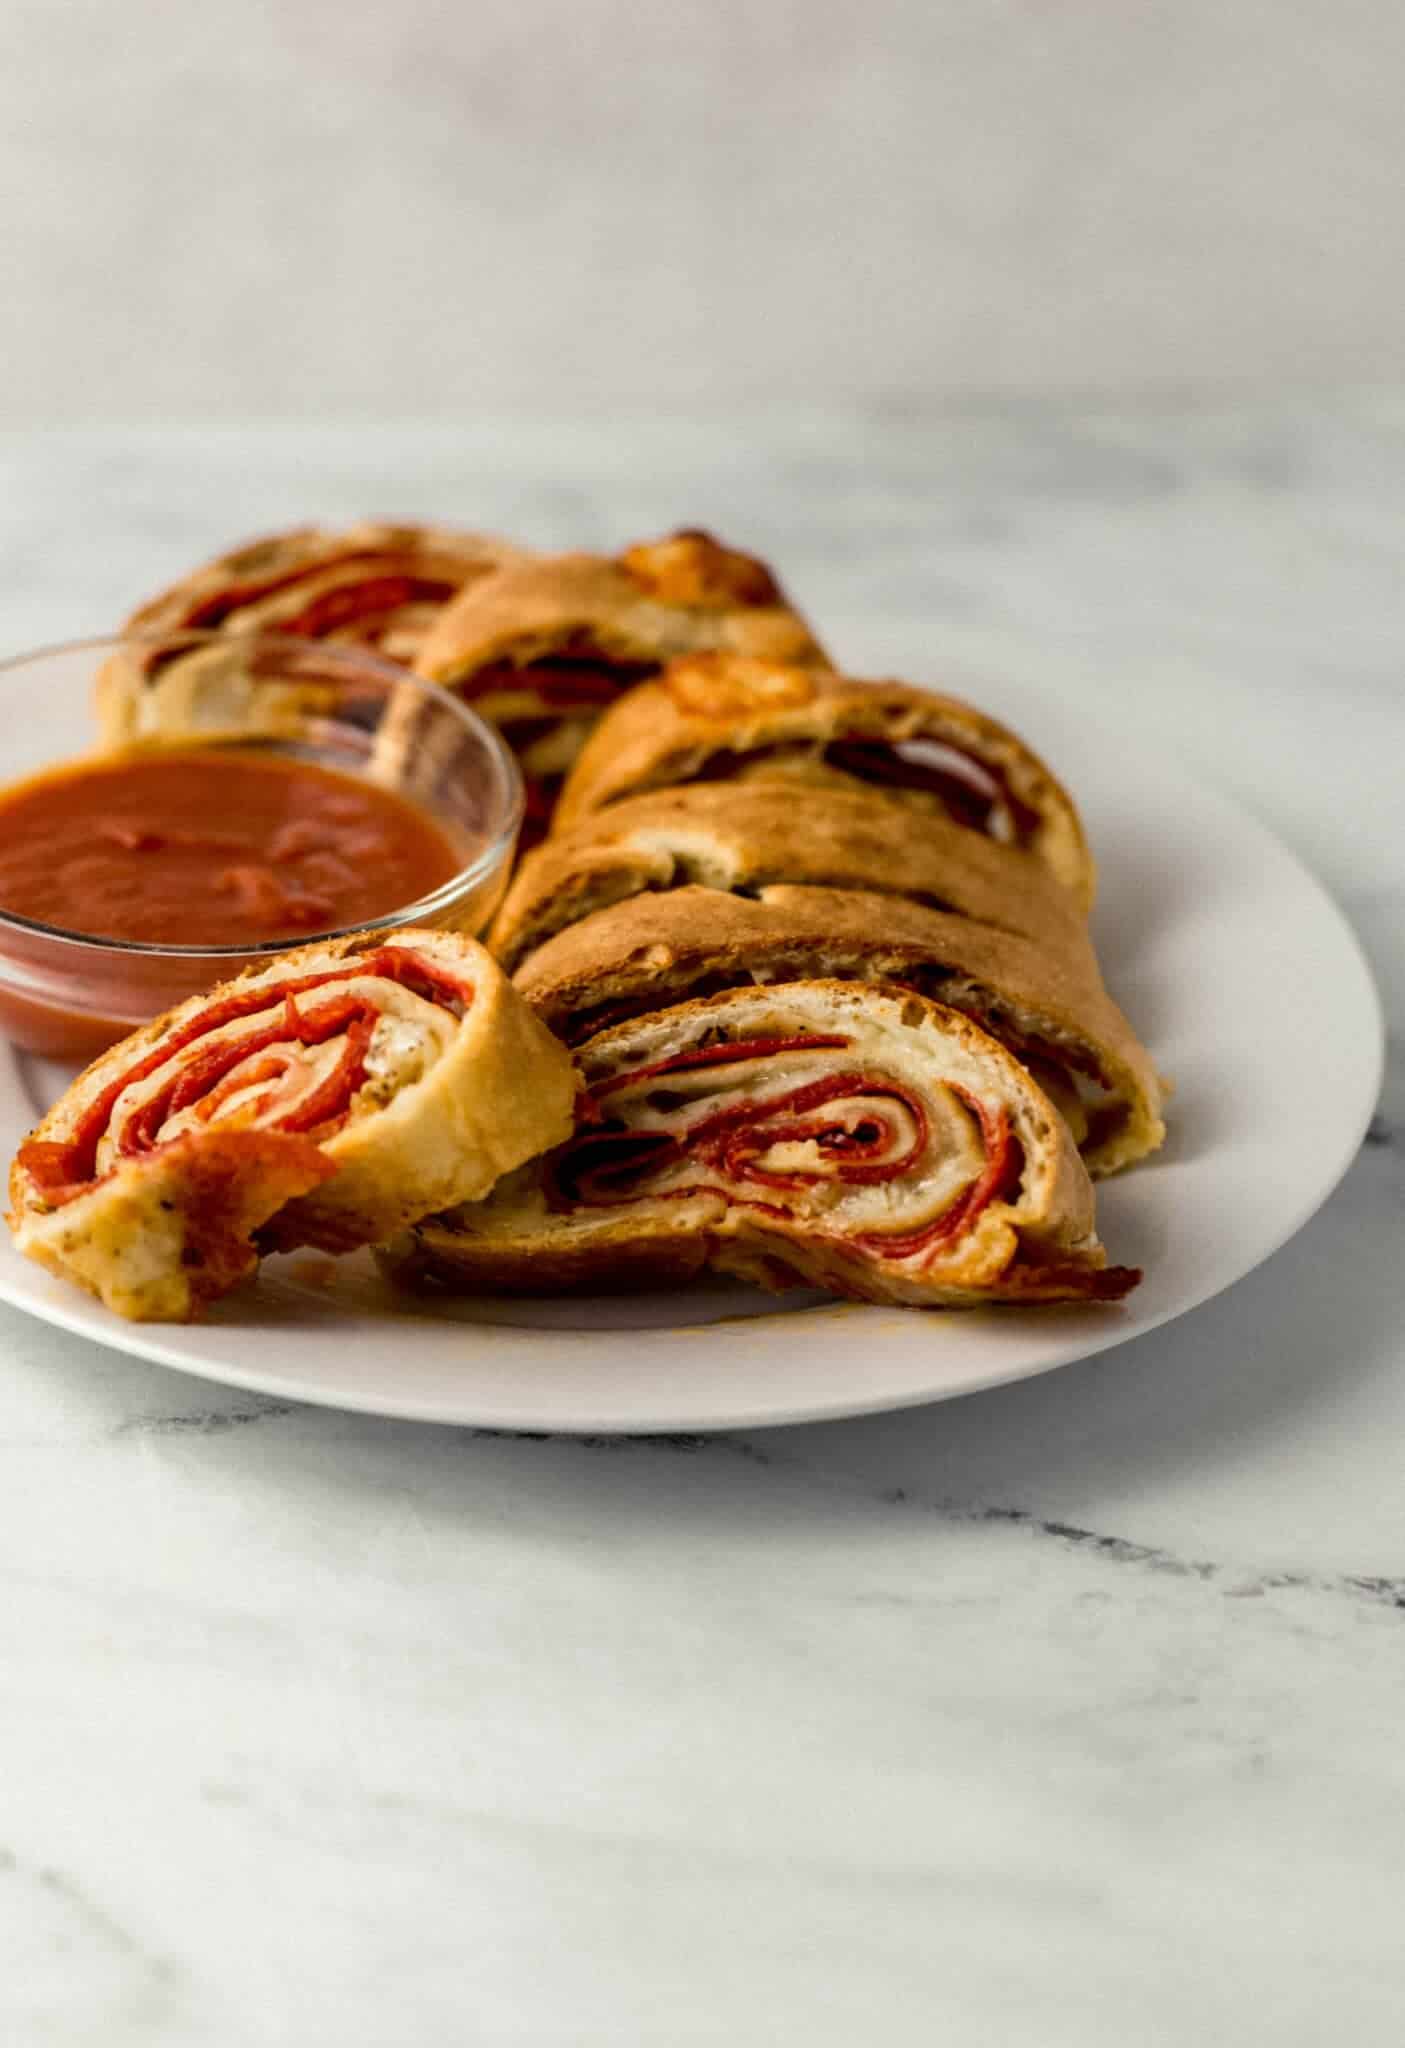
<point x="1036" y="1242"/>
<point x="653" y="950"/>
<point x="656" y="600"/>
<point x="164" y="1231"/>
<point x="738" y="837"/>
<point x="712" y="709"/>
<point x="598" y="1257"/>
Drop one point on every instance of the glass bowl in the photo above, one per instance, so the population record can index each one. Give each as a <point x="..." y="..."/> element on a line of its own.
<point x="67" y="994"/>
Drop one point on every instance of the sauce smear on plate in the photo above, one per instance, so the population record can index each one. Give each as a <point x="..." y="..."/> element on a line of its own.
<point x="196" y="847"/>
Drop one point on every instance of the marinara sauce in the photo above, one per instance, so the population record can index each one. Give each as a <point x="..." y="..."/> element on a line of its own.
<point x="191" y="847"/>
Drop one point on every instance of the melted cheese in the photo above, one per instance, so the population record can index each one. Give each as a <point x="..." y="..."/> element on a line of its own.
<point x="400" y="1053"/>
<point x="410" y="1035"/>
<point x="954" y="1155"/>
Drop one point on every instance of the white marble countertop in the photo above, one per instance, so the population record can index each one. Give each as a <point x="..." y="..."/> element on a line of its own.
<point x="1067" y="1716"/>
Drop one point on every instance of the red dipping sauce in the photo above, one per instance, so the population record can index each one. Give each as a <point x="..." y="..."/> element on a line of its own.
<point x="212" y="848"/>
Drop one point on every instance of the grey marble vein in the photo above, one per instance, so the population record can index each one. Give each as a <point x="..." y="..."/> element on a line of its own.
<point x="203" y="1422"/>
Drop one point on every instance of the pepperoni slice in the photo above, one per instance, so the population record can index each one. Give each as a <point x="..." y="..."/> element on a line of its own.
<point x="880" y="1134"/>
<point x="213" y="610"/>
<point x="67" y="1168"/>
<point x="349" y="602"/>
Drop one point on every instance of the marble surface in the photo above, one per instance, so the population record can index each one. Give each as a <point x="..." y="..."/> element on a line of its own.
<point x="1062" y="1717"/>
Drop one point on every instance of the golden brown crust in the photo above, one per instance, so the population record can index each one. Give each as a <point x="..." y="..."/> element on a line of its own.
<point x="691" y="567"/>
<point x="602" y="1257"/>
<point x="723" y="716"/>
<point x="657" y="600"/>
<point x="1034" y="1241"/>
<point x="739" y="837"/>
<point x="1049" y="1004"/>
<point x="173" y="1229"/>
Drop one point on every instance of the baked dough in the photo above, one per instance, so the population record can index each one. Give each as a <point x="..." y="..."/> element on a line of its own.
<point x="371" y="585"/>
<point x="326" y="1100"/>
<point x="541" y="647"/>
<point x="729" y="718"/>
<point x="741" y="836"/>
<point x="1047" y="1005"/>
<point x="838" y="1135"/>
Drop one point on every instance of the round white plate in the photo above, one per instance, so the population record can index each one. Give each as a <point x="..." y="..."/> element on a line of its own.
<point x="1237" y="969"/>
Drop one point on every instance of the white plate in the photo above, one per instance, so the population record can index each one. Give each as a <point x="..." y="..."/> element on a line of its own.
<point x="1239" y="972"/>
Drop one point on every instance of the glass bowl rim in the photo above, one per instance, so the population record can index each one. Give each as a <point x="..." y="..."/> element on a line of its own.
<point x="479" y="869"/>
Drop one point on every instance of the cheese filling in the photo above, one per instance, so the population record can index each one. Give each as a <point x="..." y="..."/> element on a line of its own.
<point x="307" y="1057"/>
<point x="284" y="1082"/>
<point x="813" y="1129"/>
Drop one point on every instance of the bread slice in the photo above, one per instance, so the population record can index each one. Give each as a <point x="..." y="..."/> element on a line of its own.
<point x="1047" y="1004"/>
<point x="326" y="1100"/>
<point x="724" y="717"/>
<point x="741" y="837"/>
<point x="543" y="647"/>
<point x="373" y="585"/>
<point x="842" y="1135"/>
<point x="658" y="599"/>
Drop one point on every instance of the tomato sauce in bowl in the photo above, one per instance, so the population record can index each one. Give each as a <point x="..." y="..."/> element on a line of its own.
<point x="281" y="791"/>
<point x="203" y="847"/>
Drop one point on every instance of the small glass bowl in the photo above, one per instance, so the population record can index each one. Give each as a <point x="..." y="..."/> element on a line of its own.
<point x="68" y="994"/>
